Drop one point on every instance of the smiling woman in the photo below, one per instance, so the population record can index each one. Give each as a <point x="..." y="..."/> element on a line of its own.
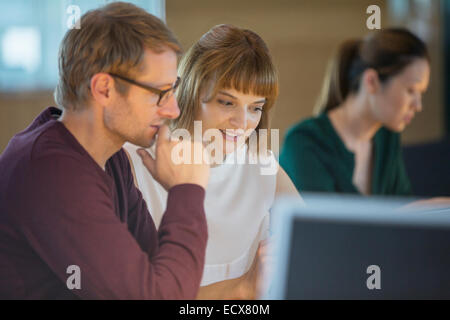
<point x="228" y="83"/>
<point x="234" y="113"/>
<point x="227" y="58"/>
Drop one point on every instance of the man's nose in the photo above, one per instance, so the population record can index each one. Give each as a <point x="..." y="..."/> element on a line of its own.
<point x="170" y="109"/>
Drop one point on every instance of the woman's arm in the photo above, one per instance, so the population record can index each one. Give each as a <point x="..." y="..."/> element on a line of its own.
<point x="285" y="186"/>
<point x="233" y="289"/>
<point x="250" y="286"/>
<point x="246" y="287"/>
<point x="436" y="202"/>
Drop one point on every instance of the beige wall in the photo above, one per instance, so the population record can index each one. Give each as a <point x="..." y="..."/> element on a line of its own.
<point x="18" y="110"/>
<point x="301" y="36"/>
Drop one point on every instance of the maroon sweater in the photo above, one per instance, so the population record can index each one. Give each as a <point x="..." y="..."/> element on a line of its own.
<point x="59" y="208"/>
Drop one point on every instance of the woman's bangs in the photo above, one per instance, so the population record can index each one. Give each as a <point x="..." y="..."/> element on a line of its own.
<point x="251" y="77"/>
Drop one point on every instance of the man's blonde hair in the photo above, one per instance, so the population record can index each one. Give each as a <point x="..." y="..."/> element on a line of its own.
<point x="113" y="39"/>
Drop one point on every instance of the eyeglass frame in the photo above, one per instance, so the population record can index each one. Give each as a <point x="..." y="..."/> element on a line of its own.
<point x="157" y="91"/>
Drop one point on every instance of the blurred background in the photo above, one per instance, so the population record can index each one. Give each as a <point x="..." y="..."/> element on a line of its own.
<point x="301" y="35"/>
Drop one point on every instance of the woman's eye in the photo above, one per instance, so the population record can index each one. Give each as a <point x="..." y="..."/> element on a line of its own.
<point x="259" y="109"/>
<point x="224" y="102"/>
<point x="411" y="91"/>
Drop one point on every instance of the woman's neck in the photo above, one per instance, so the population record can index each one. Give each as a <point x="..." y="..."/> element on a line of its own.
<point x="354" y="121"/>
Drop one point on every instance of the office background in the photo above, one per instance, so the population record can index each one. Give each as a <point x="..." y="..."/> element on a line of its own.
<point x="301" y="35"/>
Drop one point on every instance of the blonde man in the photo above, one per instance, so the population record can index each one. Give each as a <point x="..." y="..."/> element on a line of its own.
<point x="68" y="203"/>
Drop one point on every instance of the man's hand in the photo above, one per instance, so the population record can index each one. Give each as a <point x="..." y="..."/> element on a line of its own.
<point x="164" y="169"/>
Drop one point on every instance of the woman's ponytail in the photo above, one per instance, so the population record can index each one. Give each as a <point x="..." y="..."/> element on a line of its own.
<point x="387" y="51"/>
<point x="337" y="83"/>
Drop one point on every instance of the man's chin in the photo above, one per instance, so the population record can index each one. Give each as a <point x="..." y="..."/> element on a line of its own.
<point x="151" y="143"/>
<point x="144" y="143"/>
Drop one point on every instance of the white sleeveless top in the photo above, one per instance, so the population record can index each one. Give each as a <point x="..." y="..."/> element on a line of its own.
<point x="237" y="203"/>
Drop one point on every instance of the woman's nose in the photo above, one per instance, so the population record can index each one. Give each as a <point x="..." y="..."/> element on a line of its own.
<point x="418" y="103"/>
<point x="239" y="119"/>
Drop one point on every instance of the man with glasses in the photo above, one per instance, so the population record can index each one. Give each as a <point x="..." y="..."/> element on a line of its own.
<point x="72" y="223"/>
<point x="163" y="95"/>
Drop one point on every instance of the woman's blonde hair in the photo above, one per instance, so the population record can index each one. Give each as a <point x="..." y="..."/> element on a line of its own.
<point x="226" y="57"/>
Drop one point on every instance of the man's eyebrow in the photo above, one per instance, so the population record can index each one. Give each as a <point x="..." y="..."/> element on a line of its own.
<point x="156" y="85"/>
<point x="231" y="96"/>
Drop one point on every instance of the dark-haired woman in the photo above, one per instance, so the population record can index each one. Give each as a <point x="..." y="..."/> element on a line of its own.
<point x="372" y="91"/>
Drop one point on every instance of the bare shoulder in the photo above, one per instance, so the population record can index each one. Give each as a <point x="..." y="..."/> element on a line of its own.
<point x="285" y="186"/>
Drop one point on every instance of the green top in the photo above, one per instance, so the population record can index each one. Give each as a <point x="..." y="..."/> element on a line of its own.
<point x="316" y="159"/>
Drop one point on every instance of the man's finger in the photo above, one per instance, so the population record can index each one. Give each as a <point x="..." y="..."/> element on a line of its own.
<point x="147" y="160"/>
<point x="163" y="135"/>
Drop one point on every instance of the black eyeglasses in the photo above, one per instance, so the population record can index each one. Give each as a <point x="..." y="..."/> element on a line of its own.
<point x="164" y="95"/>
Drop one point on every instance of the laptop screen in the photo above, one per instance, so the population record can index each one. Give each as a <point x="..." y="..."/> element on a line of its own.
<point x="334" y="252"/>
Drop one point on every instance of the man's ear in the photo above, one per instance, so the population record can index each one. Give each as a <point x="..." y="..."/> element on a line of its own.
<point x="371" y="81"/>
<point x="101" y="88"/>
